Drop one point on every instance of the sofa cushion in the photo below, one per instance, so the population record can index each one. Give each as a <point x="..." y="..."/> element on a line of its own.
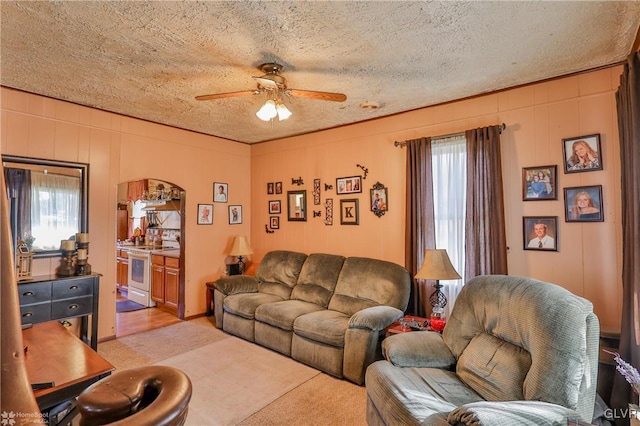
<point x="278" y="272"/>
<point x="325" y="326"/>
<point x="318" y="278"/>
<point x="245" y="304"/>
<point x="283" y="314"/>
<point x="365" y="282"/>
<point x="494" y="368"/>
<point x="414" y="396"/>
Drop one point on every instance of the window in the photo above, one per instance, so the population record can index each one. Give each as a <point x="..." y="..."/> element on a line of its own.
<point x="449" y="166"/>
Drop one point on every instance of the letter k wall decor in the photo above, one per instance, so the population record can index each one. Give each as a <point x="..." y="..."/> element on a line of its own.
<point x="349" y="214"/>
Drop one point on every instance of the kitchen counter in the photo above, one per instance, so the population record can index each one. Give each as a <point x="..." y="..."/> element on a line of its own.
<point x="164" y="251"/>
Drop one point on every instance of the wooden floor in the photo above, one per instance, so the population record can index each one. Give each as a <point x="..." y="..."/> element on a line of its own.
<point x="141" y="320"/>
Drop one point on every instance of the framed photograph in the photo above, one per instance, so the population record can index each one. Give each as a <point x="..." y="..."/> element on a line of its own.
<point x="539" y="183"/>
<point x="235" y="215"/>
<point x="220" y="192"/>
<point x="278" y="187"/>
<point x="205" y="214"/>
<point x="270" y="188"/>
<point x="349" y="214"/>
<point x="274" y="222"/>
<point x="540" y="233"/>
<point x="582" y="154"/>
<point x="349" y="185"/>
<point x="379" y="204"/>
<point x="275" y="207"/>
<point x="583" y="204"/>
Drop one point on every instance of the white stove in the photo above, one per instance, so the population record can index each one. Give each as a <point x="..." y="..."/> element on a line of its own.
<point x="140" y="276"/>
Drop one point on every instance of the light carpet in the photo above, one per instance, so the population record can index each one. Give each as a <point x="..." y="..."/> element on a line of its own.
<point x="236" y="382"/>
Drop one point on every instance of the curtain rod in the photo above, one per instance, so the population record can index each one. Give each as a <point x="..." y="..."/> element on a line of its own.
<point x="402" y="144"/>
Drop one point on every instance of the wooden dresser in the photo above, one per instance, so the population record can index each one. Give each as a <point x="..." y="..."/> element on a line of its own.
<point x="50" y="297"/>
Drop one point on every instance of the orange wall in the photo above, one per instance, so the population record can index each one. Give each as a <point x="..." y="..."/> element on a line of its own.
<point x="121" y="149"/>
<point x="537" y="116"/>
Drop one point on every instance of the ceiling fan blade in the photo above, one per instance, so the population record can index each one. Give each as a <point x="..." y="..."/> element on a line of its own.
<point x="226" y="95"/>
<point x="324" y="96"/>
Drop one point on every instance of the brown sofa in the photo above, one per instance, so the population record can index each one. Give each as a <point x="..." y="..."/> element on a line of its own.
<point x="324" y="310"/>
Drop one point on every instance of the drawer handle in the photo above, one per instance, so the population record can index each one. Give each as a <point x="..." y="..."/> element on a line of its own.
<point x="27" y="293"/>
<point x="73" y="287"/>
<point x="74" y="306"/>
<point x="27" y="314"/>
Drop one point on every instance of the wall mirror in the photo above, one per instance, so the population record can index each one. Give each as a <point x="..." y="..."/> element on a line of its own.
<point x="297" y="205"/>
<point x="48" y="202"/>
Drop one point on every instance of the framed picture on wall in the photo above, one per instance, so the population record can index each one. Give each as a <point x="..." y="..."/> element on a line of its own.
<point x="539" y="183"/>
<point x="540" y="233"/>
<point x="235" y="215"/>
<point x="349" y="214"/>
<point x="270" y="188"/>
<point x="274" y="222"/>
<point x="220" y="192"/>
<point x="349" y="185"/>
<point x="205" y="214"/>
<point x="274" y="207"/>
<point x="583" y="204"/>
<point x="278" y="187"/>
<point x="582" y="154"/>
<point x="378" y="200"/>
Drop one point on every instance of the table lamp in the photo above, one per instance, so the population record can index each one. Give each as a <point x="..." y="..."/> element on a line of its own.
<point x="240" y="248"/>
<point x="437" y="266"/>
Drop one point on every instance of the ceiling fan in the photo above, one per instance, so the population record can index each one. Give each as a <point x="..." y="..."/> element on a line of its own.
<point x="275" y="85"/>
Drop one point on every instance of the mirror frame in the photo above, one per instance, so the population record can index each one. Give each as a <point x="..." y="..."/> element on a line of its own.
<point x="84" y="192"/>
<point x="290" y="212"/>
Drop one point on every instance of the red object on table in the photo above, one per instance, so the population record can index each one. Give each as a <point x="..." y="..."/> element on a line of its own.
<point x="437" y="323"/>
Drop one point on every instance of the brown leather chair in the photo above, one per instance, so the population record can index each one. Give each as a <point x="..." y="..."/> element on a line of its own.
<point x="153" y="395"/>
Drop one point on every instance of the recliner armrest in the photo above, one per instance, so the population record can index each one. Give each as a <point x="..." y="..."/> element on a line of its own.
<point x="375" y="318"/>
<point x="525" y="413"/>
<point x="237" y="284"/>
<point x="418" y="349"/>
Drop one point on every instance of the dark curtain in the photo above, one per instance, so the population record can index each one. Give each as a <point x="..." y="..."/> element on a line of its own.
<point x="19" y="189"/>
<point x="628" y="102"/>
<point x="420" y="228"/>
<point x="486" y="241"/>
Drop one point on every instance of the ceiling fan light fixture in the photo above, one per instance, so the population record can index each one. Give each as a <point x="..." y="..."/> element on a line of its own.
<point x="283" y="111"/>
<point x="267" y="111"/>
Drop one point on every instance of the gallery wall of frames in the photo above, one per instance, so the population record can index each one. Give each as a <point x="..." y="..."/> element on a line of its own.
<point x="581" y="154"/>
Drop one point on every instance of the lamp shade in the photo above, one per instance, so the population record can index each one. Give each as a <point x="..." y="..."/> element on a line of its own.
<point x="240" y="247"/>
<point x="437" y="266"/>
<point x="267" y="111"/>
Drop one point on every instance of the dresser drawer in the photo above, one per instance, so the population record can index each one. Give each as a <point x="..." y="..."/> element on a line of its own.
<point x="72" y="288"/>
<point x="34" y="293"/>
<point x="71" y="308"/>
<point x="35" y="313"/>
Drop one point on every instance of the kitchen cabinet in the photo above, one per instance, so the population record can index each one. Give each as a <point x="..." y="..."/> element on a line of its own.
<point x="165" y="282"/>
<point x="122" y="271"/>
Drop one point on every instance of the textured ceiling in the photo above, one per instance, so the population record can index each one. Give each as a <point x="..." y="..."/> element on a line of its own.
<point x="150" y="59"/>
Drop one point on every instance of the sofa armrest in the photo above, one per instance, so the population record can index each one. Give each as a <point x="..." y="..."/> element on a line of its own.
<point x="418" y="349"/>
<point x="375" y="318"/>
<point x="237" y="284"/>
<point x="526" y="413"/>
